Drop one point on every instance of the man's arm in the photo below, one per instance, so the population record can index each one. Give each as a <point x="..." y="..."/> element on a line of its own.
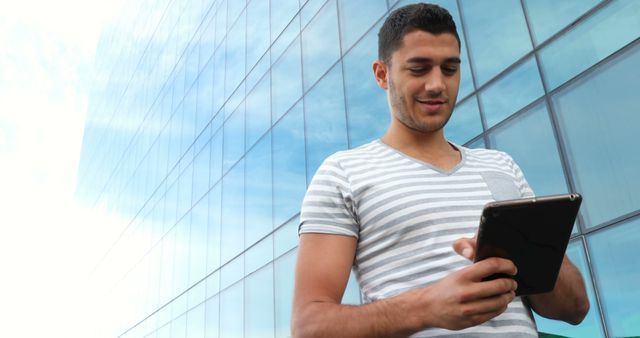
<point x="458" y="301"/>
<point x="567" y="301"/>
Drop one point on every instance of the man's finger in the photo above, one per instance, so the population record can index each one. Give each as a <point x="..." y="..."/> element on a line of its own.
<point x="465" y="247"/>
<point x="490" y="266"/>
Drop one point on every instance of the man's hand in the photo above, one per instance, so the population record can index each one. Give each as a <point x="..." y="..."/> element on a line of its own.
<point x="462" y="299"/>
<point x="567" y="301"/>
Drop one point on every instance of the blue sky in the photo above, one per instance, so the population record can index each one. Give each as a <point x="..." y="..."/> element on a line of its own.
<point x="47" y="242"/>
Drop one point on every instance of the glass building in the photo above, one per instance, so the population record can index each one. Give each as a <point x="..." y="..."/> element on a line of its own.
<point x="209" y="117"/>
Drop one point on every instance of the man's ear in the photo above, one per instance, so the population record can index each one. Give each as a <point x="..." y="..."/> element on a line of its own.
<point x="381" y="71"/>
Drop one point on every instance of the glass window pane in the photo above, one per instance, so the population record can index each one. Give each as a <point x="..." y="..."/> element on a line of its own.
<point x="356" y="17"/>
<point x="512" y="92"/>
<point x="258" y="38"/>
<point x="233" y="138"/>
<point x="614" y="255"/>
<point x="213" y="227"/>
<point x="212" y="313"/>
<point x="320" y="44"/>
<point x="179" y="327"/>
<point x="285" y="39"/>
<point x="181" y="258"/>
<point x="201" y="173"/>
<point x="477" y="144"/>
<point x="259" y="303"/>
<point x="281" y="15"/>
<point x="235" y="6"/>
<point x="258" y="206"/>
<point x="591" y="325"/>
<point x="231" y="316"/>
<point x="195" y="322"/>
<point x="599" y="119"/>
<point x="549" y="16"/>
<point x="286" y="81"/>
<point x="529" y="139"/>
<point x="258" y="255"/>
<point x="465" y="122"/>
<point x="484" y="22"/>
<point x="286" y="238"/>
<point x="215" y="161"/>
<point x="309" y="10"/>
<point x="236" y="55"/>
<point x="258" y="109"/>
<point x="325" y="119"/>
<point x="213" y="284"/>
<point x="614" y="26"/>
<point x="289" y="175"/>
<point x="284" y="268"/>
<point x="352" y="291"/>
<point x="232" y="272"/>
<point x="232" y="234"/>
<point x="198" y="241"/>
<point x="368" y="112"/>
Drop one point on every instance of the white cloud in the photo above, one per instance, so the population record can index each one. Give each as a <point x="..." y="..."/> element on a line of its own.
<point x="47" y="246"/>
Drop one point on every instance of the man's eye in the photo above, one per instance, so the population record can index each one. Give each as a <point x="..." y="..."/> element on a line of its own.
<point x="417" y="70"/>
<point x="449" y="70"/>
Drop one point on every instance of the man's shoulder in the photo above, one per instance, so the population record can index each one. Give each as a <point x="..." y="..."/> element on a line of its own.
<point x="367" y="150"/>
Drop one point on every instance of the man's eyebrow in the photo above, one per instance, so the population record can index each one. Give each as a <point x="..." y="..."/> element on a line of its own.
<point x="423" y="60"/>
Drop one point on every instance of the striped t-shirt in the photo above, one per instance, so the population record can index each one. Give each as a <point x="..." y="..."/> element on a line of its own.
<point x="406" y="214"/>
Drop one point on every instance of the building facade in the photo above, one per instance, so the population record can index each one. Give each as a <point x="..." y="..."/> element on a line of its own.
<point x="209" y="118"/>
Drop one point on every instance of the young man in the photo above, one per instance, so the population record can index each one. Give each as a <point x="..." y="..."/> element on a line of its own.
<point x="400" y="211"/>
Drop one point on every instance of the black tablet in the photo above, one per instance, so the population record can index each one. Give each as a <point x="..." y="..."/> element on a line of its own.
<point x="531" y="232"/>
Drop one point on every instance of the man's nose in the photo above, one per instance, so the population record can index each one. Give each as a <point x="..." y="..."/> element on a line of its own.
<point x="434" y="82"/>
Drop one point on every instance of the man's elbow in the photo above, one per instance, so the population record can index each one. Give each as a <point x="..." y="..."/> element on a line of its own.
<point x="302" y="325"/>
<point x="580" y="312"/>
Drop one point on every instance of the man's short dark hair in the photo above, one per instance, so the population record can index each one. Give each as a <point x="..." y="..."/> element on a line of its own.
<point x="425" y="17"/>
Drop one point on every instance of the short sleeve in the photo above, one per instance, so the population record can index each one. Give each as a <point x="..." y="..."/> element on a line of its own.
<point x="327" y="207"/>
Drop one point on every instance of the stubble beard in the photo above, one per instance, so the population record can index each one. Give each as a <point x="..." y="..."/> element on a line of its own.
<point x="400" y="109"/>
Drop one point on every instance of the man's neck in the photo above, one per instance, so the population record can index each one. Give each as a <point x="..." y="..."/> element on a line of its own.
<point x="432" y="147"/>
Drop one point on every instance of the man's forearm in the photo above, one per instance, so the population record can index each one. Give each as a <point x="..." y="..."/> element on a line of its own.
<point x="391" y="317"/>
<point x="568" y="301"/>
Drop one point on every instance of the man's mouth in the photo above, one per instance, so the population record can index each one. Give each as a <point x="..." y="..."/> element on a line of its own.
<point x="431" y="105"/>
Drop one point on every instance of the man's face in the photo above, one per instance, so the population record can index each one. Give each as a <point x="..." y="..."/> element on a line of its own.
<point x="422" y="80"/>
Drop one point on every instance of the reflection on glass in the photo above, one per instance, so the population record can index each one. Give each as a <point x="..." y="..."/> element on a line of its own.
<point x="549" y="16"/>
<point x="215" y="160"/>
<point x="195" y="322"/>
<point x="320" y="44"/>
<point x="310" y="9"/>
<point x="218" y="78"/>
<point x="258" y="209"/>
<point x="198" y="241"/>
<point x="232" y="234"/>
<point x="213" y="228"/>
<point x="181" y="258"/>
<point x="367" y="108"/>
<point x="465" y="122"/>
<point x="616" y="25"/>
<point x="356" y="17"/>
<point x="614" y="255"/>
<point x="236" y="54"/>
<point x="285" y="39"/>
<point x="201" y="173"/>
<point x="289" y="176"/>
<point x="325" y="119"/>
<point x="258" y="106"/>
<point x="284" y="268"/>
<point x="477" y="144"/>
<point x="212" y="284"/>
<point x="212" y="317"/>
<point x="352" y="291"/>
<point x="257" y="30"/>
<point x="486" y="21"/>
<point x="259" y="303"/>
<point x="530" y="141"/>
<point x="281" y="15"/>
<point x="232" y="272"/>
<point x="166" y="269"/>
<point x="179" y="327"/>
<point x="286" y="81"/>
<point x="600" y="135"/>
<point x="233" y="138"/>
<point x="590" y="326"/>
<point x="204" y="98"/>
<point x="286" y="237"/>
<point x="512" y="92"/>
<point x="231" y="318"/>
<point x="258" y="255"/>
